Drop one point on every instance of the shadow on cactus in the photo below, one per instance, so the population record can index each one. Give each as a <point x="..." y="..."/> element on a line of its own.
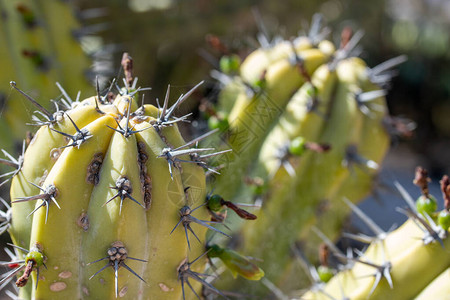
<point x="110" y="181"/>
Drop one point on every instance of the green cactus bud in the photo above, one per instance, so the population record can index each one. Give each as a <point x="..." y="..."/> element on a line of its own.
<point x="444" y="219"/>
<point x="215" y="122"/>
<point x="214" y="202"/>
<point x="258" y="186"/>
<point x="325" y="273"/>
<point x="297" y="146"/>
<point x="36" y="257"/>
<point x="229" y="64"/>
<point x="426" y="204"/>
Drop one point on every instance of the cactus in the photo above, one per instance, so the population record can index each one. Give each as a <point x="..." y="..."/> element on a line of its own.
<point x="268" y="79"/>
<point x="109" y="201"/>
<point x="409" y="262"/>
<point x="40" y="46"/>
<point x="306" y="126"/>
<point x="438" y="288"/>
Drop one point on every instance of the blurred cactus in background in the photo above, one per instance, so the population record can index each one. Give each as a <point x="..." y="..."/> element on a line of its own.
<point x="44" y="47"/>
<point x="306" y="126"/>
<point x="410" y="262"/>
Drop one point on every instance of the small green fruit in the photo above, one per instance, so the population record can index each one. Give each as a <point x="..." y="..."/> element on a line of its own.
<point x="444" y="219"/>
<point x="426" y="204"/>
<point x="214" y="202"/>
<point x="312" y="91"/>
<point x="230" y="64"/>
<point x="36" y="256"/>
<point x="258" y="186"/>
<point x="325" y="273"/>
<point x="297" y="146"/>
<point x="215" y="122"/>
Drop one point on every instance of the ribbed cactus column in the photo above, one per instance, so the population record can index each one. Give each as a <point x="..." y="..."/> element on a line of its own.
<point x="39" y="48"/>
<point x="268" y="79"/>
<point x="109" y="202"/>
<point x="322" y="141"/>
<point x="294" y="197"/>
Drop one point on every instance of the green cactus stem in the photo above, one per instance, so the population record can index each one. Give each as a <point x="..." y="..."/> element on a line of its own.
<point x="39" y="49"/>
<point x="112" y="183"/>
<point x="326" y="143"/>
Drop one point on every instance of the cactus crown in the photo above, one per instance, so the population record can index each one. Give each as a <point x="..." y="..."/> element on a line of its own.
<point x="109" y="177"/>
